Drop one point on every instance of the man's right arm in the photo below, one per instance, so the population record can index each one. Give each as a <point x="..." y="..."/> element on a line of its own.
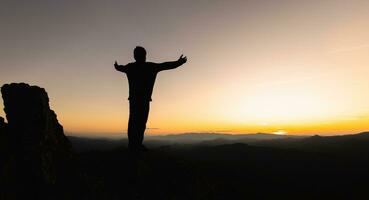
<point x="120" y="68"/>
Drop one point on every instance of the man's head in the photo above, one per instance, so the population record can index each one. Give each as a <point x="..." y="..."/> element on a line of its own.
<point x="139" y="54"/>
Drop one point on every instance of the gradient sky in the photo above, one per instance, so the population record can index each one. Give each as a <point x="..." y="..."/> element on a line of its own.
<point x="296" y="67"/>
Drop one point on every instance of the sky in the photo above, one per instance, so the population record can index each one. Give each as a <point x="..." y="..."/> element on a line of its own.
<point x="284" y="67"/>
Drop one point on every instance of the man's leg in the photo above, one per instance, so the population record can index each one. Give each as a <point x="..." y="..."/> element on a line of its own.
<point x="138" y="115"/>
<point x="144" y="110"/>
<point x="132" y="125"/>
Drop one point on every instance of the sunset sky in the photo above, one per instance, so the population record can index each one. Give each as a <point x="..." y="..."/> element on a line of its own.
<point x="288" y="67"/>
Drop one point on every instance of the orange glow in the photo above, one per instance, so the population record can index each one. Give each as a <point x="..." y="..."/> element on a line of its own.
<point x="296" y="67"/>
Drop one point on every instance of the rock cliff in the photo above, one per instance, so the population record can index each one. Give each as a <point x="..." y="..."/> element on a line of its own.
<point x="38" y="160"/>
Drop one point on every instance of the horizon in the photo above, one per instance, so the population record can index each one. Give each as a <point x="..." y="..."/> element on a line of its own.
<point x="124" y="135"/>
<point x="279" y="67"/>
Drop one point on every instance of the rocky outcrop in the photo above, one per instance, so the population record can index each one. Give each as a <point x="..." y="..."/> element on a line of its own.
<point x="2" y="123"/>
<point x="3" y="144"/>
<point x="2" y="127"/>
<point x="38" y="156"/>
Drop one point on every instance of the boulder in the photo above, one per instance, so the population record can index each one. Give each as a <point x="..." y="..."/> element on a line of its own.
<point x="38" y="158"/>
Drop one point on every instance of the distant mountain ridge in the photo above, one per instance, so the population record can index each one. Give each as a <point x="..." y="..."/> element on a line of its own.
<point x="101" y="143"/>
<point x="214" y="139"/>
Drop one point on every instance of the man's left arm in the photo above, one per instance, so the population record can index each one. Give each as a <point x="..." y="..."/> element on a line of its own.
<point x="171" y="65"/>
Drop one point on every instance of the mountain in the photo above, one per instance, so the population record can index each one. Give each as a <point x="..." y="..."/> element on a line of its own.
<point x="200" y="137"/>
<point x="306" y="143"/>
<point x="230" y="171"/>
<point x="89" y="143"/>
<point x="82" y="144"/>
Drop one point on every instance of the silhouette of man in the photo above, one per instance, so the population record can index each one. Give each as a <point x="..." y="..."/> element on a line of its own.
<point x="141" y="78"/>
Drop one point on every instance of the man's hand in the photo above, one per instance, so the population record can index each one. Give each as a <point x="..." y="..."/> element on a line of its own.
<point x="115" y="64"/>
<point x="182" y="59"/>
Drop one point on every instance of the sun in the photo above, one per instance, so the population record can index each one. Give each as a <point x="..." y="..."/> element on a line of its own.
<point x="280" y="132"/>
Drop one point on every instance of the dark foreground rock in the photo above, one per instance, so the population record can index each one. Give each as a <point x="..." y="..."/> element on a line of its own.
<point x="3" y="144"/>
<point x="37" y="160"/>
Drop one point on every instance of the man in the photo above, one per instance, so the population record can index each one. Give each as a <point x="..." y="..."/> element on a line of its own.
<point x="141" y="78"/>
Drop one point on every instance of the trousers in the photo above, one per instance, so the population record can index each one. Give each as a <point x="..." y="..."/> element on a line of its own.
<point x="138" y="115"/>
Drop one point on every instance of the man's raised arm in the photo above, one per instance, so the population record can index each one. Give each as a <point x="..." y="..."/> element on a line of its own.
<point x="171" y="65"/>
<point x="120" y="68"/>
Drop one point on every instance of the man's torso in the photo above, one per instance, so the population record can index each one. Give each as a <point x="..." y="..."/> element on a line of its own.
<point x="141" y="80"/>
